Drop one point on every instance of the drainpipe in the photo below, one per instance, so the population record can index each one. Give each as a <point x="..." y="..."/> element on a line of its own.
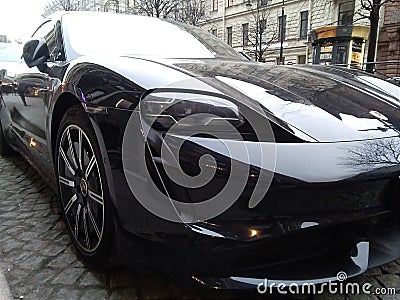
<point x="282" y="33"/>
<point x="223" y="21"/>
<point x="309" y="28"/>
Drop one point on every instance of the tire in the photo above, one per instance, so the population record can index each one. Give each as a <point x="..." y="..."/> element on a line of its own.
<point x="83" y="188"/>
<point x="5" y="149"/>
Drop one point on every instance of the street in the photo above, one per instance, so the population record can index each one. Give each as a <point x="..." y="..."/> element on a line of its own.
<point x="39" y="262"/>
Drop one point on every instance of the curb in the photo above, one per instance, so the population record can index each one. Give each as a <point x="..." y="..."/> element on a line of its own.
<point x="5" y="293"/>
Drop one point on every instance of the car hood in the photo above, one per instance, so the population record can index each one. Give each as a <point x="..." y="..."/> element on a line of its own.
<point x="327" y="104"/>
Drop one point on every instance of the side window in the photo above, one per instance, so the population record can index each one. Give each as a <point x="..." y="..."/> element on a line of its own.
<point x="50" y="31"/>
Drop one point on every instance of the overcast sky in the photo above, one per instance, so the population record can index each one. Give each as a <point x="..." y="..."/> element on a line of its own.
<point x="18" y="18"/>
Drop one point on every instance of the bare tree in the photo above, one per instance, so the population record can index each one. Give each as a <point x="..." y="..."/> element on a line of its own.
<point x="190" y="11"/>
<point x="69" y="5"/>
<point x="370" y="10"/>
<point x="257" y="36"/>
<point x="374" y="154"/>
<point x="157" y="8"/>
<point x="56" y="5"/>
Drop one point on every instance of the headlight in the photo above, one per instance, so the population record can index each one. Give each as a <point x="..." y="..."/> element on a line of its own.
<point x="163" y="110"/>
<point x="188" y="113"/>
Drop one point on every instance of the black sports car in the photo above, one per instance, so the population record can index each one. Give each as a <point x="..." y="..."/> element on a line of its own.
<point x="168" y="144"/>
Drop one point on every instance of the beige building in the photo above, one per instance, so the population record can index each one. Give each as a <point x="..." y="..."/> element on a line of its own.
<point x="59" y="5"/>
<point x="120" y="6"/>
<point x="319" y="31"/>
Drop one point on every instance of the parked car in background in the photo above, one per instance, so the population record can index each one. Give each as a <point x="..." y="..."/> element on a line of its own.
<point x="395" y="80"/>
<point x="10" y="58"/>
<point x="167" y="144"/>
<point x="386" y="85"/>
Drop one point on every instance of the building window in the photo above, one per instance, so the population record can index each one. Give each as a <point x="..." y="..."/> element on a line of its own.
<point x="301" y="59"/>
<point x="357" y="53"/>
<point x="263" y="2"/>
<point x="282" y="27"/>
<point x="346" y="13"/>
<point x="263" y="31"/>
<point x="202" y="8"/>
<point x="245" y="30"/>
<point x="325" y="54"/>
<point x="303" y="24"/>
<point x="215" y="5"/>
<point x="341" y="55"/>
<point x="229" y="41"/>
<point x="214" y="32"/>
<point x="278" y="62"/>
<point x="229" y="3"/>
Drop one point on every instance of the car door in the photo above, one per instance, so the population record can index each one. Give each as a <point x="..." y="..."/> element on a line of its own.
<point x="34" y="88"/>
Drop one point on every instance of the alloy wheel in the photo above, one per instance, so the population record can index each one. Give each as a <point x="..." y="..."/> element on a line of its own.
<point x="81" y="189"/>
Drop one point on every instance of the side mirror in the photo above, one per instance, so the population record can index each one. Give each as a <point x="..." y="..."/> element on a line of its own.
<point x="35" y="52"/>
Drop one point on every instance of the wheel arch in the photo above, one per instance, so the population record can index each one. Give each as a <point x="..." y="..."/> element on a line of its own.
<point x="64" y="102"/>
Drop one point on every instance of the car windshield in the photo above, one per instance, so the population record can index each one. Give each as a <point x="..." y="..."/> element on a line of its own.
<point x="10" y="52"/>
<point x="107" y="33"/>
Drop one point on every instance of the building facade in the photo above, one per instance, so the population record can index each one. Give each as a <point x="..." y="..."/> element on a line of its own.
<point x="389" y="42"/>
<point x="120" y="6"/>
<point x="60" y="5"/>
<point x="308" y="31"/>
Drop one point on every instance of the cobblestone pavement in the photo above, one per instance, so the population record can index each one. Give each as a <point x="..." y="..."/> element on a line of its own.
<point x="40" y="262"/>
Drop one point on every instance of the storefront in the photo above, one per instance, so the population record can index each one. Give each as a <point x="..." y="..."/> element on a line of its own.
<point x="343" y="45"/>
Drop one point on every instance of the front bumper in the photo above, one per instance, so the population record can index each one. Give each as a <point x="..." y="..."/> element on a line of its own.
<point x="348" y="259"/>
<point x="316" y="254"/>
